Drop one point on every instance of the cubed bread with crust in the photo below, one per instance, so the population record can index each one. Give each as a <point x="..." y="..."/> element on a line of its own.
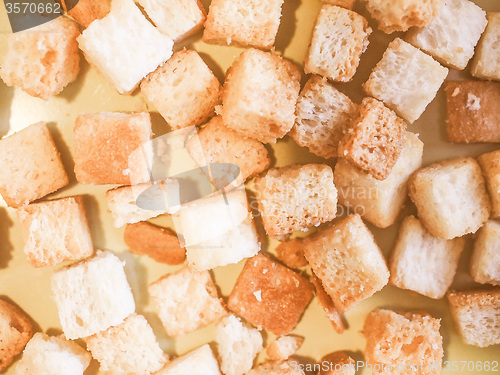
<point x="345" y="257"/>
<point x="124" y="46"/>
<point x="423" y="263"/>
<point x="339" y="38"/>
<point x="296" y="197"/>
<point x="43" y="60"/>
<point x="327" y="304"/>
<point x="477" y="316"/>
<point x="86" y="11"/>
<point x="337" y="363"/>
<point x="485" y="258"/>
<point x="490" y="166"/>
<point x="290" y="367"/>
<point x="184" y="90"/>
<point x="290" y="252"/>
<point x="31" y="166"/>
<point x="486" y="61"/>
<point x="405" y="79"/>
<point x="452" y="35"/>
<point x="283" y="347"/>
<point x="260" y="94"/>
<point x="270" y="295"/>
<point x="200" y="361"/>
<point x="451" y="197"/>
<point x="55" y="231"/>
<point x="323" y="113"/>
<point x="92" y="295"/>
<point x="349" y="4"/>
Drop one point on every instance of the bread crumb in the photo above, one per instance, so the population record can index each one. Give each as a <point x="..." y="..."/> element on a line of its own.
<point x="258" y="295"/>
<point x="473" y="102"/>
<point x="126" y="172"/>
<point x="456" y="91"/>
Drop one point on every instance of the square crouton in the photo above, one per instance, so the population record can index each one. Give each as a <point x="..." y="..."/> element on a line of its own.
<point x="55" y="231"/>
<point x="184" y="90"/>
<point x="337" y="363"/>
<point x="379" y="202"/>
<point x="423" y="263"/>
<point x="289" y="367"/>
<point x="486" y="61"/>
<point x="477" y="316"/>
<point x="247" y="23"/>
<point x="322" y="115"/>
<point x="452" y="35"/>
<point x="200" y="361"/>
<point x="485" y="259"/>
<point x="472" y="113"/>
<point x="290" y="252"/>
<point x="30" y="166"/>
<point x="43" y="60"/>
<point x="451" y="197"/>
<point x="270" y="295"/>
<point x="260" y="94"/>
<point x="124" y="46"/>
<point x="329" y="308"/>
<point x="186" y="300"/>
<point x="296" y="197"/>
<point x="345" y="257"/>
<point x="374" y="139"/>
<point x="490" y="166"/>
<point x="284" y="347"/>
<point x="86" y="11"/>
<point x="339" y="38"/>
<point x="406" y="79"/>
<point x="92" y="295"/>
<point x="394" y="339"/>
<point x="129" y="347"/>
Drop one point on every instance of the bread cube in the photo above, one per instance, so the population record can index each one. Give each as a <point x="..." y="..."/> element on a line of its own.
<point x="129" y="347"/>
<point x="260" y="94"/>
<point x="345" y="257"/>
<point x="423" y="263"/>
<point x="490" y="166"/>
<point x="55" y="231"/>
<point x="277" y="368"/>
<point x="322" y="115"/>
<point x="451" y="197"/>
<point x="86" y="11"/>
<point x="200" y="361"/>
<point x="42" y="60"/>
<point x="452" y="35"/>
<point x="326" y="302"/>
<point x="184" y="90"/>
<point x="92" y="295"/>
<point x="30" y="166"/>
<point x="472" y="113"/>
<point x="338" y="363"/>
<point x="270" y="295"/>
<point x="124" y="46"/>
<point x="406" y="79"/>
<point x="283" y="347"/>
<point x="339" y="38"/>
<point x="476" y="315"/>
<point x="394" y="339"/>
<point x="246" y="23"/>
<point x="296" y="197"/>
<point x="485" y="259"/>
<point x="349" y="4"/>
<point x="52" y="355"/>
<point x="486" y="61"/>
<point x="291" y="254"/>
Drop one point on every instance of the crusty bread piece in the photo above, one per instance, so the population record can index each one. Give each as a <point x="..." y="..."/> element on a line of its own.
<point x="374" y="139"/>
<point x="326" y="302"/>
<point x="490" y="166"/>
<point x="349" y="4"/>
<point x="339" y="38"/>
<point x="86" y="11"/>
<point x="43" y="60"/>
<point x="283" y="347"/>
<point x="291" y="254"/>
<point x="423" y="263"/>
<point x="259" y="96"/>
<point x="394" y="339"/>
<point x="129" y="347"/>
<point x="406" y="79"/>
<point x="345" y="257"/>
<point x="379" y="202"/>
<point x="248" y="23"/>
<point x="485" y="259"/>
<point x="31" y="166"/>
<point x="486" y="61"/>
<point x="472" y="113"/>
<point x="200" y="361"/>
<point x="270" y="295"/>
<point x="452" y="35"/>
<point x="337" y="363"/>
<point x="55" y="231"/>
<point x="296" y="197"/>
<point x="278" y="368"/>
<point x="124" y="46"/>
<point x="477" y="316"/>
<point x="92" y="295"/>
<point x="451" y="197"/>
<point x="322" y="115"/>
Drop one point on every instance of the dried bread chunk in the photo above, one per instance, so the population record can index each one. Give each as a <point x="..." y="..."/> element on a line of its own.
<point x="349" y="4"/>
<point x="200" y="361"/>
<point x="30" y="166"/>
<point x="337" y="363"/>
<point x="326" y="302"/>
<point x="283" y="347"/>
<point x="490" y="166"/>
<point x="290" y="252"/>
<point x="86" y="11"/>
<point x="277" y="368"/>
<point x="339" y="38"/>
<point x="485" y="258"/>
<point x="486" y="61"/>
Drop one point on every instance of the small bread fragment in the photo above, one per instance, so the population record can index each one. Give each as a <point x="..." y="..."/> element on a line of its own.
<point x="326" y="302"/>
<point x="284" y="347"/>
<point x="485" y="258"/>
<point x="339" y="38"/>
<point x="86" y="11"/>
<point x="288" y="367"/>
<point x="477" y="316"/>
<point x="200" y="361"/>
<point x="486" y="61"/>
<point x="338" y="363"/>
<point x="290" y="252"/>
<point x="490" y="166"/>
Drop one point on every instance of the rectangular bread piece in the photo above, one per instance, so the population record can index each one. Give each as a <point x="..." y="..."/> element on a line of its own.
<point x="486" y="61"/>
<point x="485" y="258"/>
<point x="200" y="361"/>
<point x="490" y="166"/>
<point x="86" y="11"/>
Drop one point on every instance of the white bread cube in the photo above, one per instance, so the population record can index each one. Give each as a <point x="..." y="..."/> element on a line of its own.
<point x="129" y="347"/>
<point x="86" y="11"/>
<point x="124" y="46"/>
<point x="200" y="361"/>
<point x="30" y="166"/>
<point x="490" y="166"/>
<point x="339" y="38"/>
<point x="52" y="355"/>
<point x="405" y="79"/>
<point x="451" y="197"/>
<point x="284" y="347"/>
<point x="423" y="263"/>
<point x="486" y="61"/>
<point x="485" y="258"/>
<point x="451" y="36"/>
<point x="92" y="295"/>
<point x="290" y="367"/>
